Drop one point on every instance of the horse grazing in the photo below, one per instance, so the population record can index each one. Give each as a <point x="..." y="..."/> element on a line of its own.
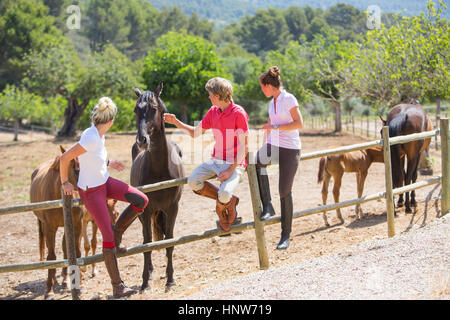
<point x="88" y="245"/>
<point x="156" y="158"/>
<point x="404" y="119"/>
<point x="46" y="186"/>
<point x="334" y="166"/>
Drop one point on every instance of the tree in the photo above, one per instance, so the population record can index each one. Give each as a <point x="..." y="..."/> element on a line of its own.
<point x="296" y="21"/>
<point x="408" y="60"/>
<point x="59" y="71"/>
<point x="107" y="24"/>
<point x="184" y="63"/>
<point x="17" y="104"/>
<point x="266" y="30"/>
<point x="347" y="20"/>
<point x="24" y="26"/>
<point x="328" y="59"/>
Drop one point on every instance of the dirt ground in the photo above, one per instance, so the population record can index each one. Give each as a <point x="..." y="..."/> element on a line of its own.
<point x="204" y="262"/>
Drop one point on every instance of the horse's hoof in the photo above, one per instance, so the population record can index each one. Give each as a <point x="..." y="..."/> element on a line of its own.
<point x="169" y="285"/>
<point x="144" y="287"/>
<point x="49" y="296"/>
<point x="399" y="204"/>
<point x="408" y="210"/>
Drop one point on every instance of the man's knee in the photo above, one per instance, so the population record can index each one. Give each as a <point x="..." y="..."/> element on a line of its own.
<point x="224" y="196"/>
<point x="194" y="183"/>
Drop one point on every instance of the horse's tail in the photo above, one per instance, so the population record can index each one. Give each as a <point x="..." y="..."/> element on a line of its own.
<point x="395" y="129"/>
<point x="322" y="164"/>
<point x="158" y="223"/>
<point x="41" y="240"/>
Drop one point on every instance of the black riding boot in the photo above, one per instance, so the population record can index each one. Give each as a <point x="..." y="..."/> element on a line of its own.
<point x="264" y="192"/>
<point x="287" y="211"/>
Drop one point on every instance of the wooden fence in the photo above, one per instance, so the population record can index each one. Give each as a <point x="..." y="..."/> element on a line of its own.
<point x="257" y="224"/>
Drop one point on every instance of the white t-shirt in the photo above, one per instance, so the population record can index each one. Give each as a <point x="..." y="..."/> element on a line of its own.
<point x="93" y="171"/>
<point x="281" y="138"/>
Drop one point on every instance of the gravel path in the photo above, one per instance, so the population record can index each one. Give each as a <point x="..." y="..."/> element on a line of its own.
<point x="413" y="265"/>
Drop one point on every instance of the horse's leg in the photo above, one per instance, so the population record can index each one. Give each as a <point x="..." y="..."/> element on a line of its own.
<point x="168" y="233"/>
<point x="85" y="241"/>
<point x="412" y="167"/>
<point x="50" y="238"/>
<point x="400" y="201"/>
<point x="336" y="190"/>
<point x="413" y="193"/>
<point x="94" y="245"/>
<point x="147" y="234"/>
<point x="326" y="182"/>
<point x="77" y="230"/>
<point x="358" y="187"/>
<point x="362" y="180"/>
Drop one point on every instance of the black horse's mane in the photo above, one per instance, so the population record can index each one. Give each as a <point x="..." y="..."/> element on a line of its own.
<point x="148" y="95"/>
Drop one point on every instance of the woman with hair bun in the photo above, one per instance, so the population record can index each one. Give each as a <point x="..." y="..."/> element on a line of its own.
<point x="95" y="186"/>
<point x="282" y="146"/>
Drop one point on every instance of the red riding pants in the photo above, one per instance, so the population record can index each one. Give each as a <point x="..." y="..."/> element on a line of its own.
<point x="95" y="201"/>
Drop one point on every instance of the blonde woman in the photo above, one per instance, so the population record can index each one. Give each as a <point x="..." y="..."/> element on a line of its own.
<point x="95" y="185"/>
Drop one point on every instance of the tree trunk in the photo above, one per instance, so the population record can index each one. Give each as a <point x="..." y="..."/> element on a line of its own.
<point x="183" y="109"/>
<point x="16" y="130"/>
<point x="337" y="116"/>
<point x="71" y="116"/>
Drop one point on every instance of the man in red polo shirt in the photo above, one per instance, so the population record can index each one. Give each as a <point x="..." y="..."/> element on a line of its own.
<point x="229" y="123"/>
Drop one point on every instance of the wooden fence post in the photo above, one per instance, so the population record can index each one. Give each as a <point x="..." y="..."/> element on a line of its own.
<point x="445" y="148"/>
<point x="73" y="269"/>
<point x="257" y="209"/>
<point x="388" y="182"/>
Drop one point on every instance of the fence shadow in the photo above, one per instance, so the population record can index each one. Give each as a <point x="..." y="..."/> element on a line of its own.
<point x="368" y="220"/>
<point x="30" y="290"/>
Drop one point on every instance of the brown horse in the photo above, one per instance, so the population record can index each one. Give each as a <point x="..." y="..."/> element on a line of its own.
<point x="46" y="186"/>
<point x="113" y="214"/>
<point x="155" y="159"/>
<point x="404" y="119"/>
<point x="334" y="166"/>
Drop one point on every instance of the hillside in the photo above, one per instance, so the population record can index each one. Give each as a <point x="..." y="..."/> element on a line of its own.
<point x="233" y="10"/>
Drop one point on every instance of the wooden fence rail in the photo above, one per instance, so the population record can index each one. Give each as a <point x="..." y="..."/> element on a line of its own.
<point x="254" y="188"/>
<point x="177" y="182"/>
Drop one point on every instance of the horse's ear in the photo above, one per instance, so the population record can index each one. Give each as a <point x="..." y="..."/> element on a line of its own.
<point x="159" y="89"/>
<point x="137" y="92"/>
<point x="382" y="120"/>
<point x="62" y="149"/>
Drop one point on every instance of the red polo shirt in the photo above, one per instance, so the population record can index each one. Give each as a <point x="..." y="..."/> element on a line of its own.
<point x="226" y="127"/>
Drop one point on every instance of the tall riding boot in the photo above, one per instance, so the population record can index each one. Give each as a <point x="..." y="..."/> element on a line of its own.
<point x="221" y="210"/>
<point x="209" y="190"/>
<point x="287" y="212"/>
<point x="119" y="288"/>
<point x="123" y="222"/>
<point x="264" y="192"/>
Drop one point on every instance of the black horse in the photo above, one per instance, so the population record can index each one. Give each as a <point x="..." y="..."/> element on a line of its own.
<point x="155" y="159"/>
<point x="403" y="119"/>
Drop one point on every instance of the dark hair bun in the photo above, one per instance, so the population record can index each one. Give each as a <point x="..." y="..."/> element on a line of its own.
<point x="274" y="71"/>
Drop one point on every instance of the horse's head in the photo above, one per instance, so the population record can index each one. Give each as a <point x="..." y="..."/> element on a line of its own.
<point x="74" y="167"/>
<point x="149" y="112"/>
